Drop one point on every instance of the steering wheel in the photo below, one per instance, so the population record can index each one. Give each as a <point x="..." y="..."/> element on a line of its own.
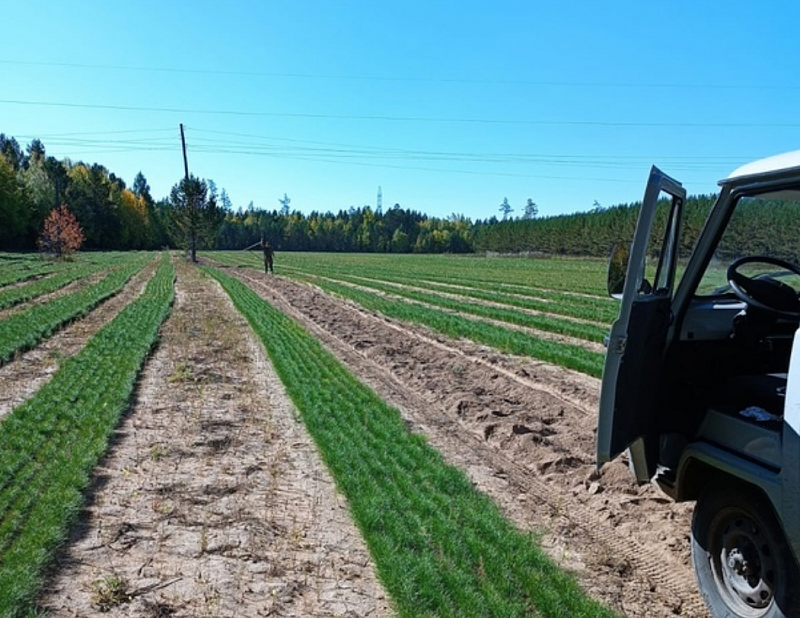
<point x="764" y="292"/>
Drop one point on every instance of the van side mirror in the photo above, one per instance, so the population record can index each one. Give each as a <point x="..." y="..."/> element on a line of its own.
<point x="617" y="269"/>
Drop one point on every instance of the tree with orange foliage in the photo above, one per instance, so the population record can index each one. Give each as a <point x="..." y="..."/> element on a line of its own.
<point x="62" y="235"/>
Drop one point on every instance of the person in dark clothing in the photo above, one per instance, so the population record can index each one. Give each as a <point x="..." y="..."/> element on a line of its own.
<point x="268" y="251"/>
<point x="268" y="256"/>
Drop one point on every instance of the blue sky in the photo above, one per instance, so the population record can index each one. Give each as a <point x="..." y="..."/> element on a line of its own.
<point x="448" y="106"/>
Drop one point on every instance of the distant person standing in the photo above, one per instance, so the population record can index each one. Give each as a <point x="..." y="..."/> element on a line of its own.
<point x="268" y="256"/>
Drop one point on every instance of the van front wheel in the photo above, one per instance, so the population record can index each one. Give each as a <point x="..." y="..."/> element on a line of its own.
<point x="743" y="564"/>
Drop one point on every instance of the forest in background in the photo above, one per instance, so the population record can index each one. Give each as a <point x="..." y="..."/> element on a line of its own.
<point x="117" y="217"/>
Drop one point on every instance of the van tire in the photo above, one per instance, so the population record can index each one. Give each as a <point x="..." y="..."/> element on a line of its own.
<point x="742" y="561"/>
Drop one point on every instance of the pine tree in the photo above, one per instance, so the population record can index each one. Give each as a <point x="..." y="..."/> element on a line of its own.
<point x="531" y="210"/>
<point x="195" y="216"/>
<point x="505" y="208"/>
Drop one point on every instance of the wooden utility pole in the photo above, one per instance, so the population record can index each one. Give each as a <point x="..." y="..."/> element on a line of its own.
<point x="185" y="160"/>
<point x="190" y="197"/>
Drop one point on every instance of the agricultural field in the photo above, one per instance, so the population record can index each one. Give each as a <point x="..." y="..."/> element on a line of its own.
<point x="356" y="435"/>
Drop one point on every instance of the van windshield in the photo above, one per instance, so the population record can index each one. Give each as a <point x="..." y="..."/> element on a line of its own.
<point x="761" y="225"/>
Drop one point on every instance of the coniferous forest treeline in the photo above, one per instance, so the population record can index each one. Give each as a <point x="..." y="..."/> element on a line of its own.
<point x="117" y="217"/>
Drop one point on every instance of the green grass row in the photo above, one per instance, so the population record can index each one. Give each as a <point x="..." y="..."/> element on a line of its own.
<point x="601" y="310"/>
<point x="568" y="274"/>
<point x="50" y="444"/>
<point x="26" y="329"/>
<point x="571" y="283"/>
<point x="45" y="285"/>
<point x="22" y="270"/>
<point x="440" y="547"/>
<point x="598" y="308"/>
<point x="458" y="327"/>
<point x="547" y="323"/>
<point x="502" y="288"/>
<point x="503" y="339"/>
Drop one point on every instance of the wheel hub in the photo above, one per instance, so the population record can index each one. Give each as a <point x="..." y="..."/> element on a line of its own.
<point x="747" y="565"/>
<point x="738" y="564"/>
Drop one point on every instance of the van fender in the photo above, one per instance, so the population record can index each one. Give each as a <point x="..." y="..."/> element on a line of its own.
<point x="703" y="463"/>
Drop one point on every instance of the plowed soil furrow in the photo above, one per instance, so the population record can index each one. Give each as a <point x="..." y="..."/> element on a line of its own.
<point x="24" y="282"/>
<point x="213" y="500"/>
<point x="460" y="298"/>
<point x="27" y="373"/>
<point x="525" y="433"/>
<point x="541" y="334"/>
<point x="490" y="303"/>
<point x="557" y="291"/>
<point x="59" y="293"/>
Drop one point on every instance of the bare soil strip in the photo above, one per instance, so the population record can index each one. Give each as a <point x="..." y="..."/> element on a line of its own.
<point x="524" y="431"/>
<point x="24" y="282"/>
<point x="32" y="369"/>
<point x="495" y="304"/>
<point x="60" y="292"/>
<point x="470" y="299"/>
<point x="559" y="291"/>
<point x="541" y="334"/>
<point x="213" y="500"/>
<point x="456" y="286"/>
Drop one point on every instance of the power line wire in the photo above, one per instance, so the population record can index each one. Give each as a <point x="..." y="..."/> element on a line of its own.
<point x="377" y="157"/>
<point x="371" y="151"/>
<point x="422" y="119"/>
<point x="48" y="135"/>
<point x="372" y="156"/>
<point x="339" y="148"/>
<point x="395" y="78"/>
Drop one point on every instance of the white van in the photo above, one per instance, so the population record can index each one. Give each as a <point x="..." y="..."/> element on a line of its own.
<point x="701" y="386"/>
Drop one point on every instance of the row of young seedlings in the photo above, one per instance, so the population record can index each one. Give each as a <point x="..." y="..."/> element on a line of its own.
<point x="594" y="309"/>
<point x="556" y="304"/>
<point x="503" y="339"/>
<point x="44" y="285"/>
<point x="508" y="314"/>
<point x="14" y="271"/>
<point x="440" y="547"/>
<point x="506" y="340"/>
<point x="507" y="291"/>
<point x="586" y="276"/>
<point x="24" y="330"/>
<point x="50" y="443"/>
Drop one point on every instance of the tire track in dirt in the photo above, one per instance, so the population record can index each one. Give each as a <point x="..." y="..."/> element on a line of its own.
<point x="213" y="500"/>
<point x="29" y="371"/>
<point x="527" y="438"/>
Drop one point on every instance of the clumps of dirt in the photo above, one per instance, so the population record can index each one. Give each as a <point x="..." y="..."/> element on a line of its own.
<point x="213" y="500"/>
<point x="525" y="433"/>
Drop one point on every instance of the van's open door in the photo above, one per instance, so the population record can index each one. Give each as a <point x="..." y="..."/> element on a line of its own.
<point x="633" y="372"/>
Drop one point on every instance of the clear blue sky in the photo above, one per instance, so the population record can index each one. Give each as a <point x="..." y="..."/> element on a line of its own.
<point x="449" y="106"/>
